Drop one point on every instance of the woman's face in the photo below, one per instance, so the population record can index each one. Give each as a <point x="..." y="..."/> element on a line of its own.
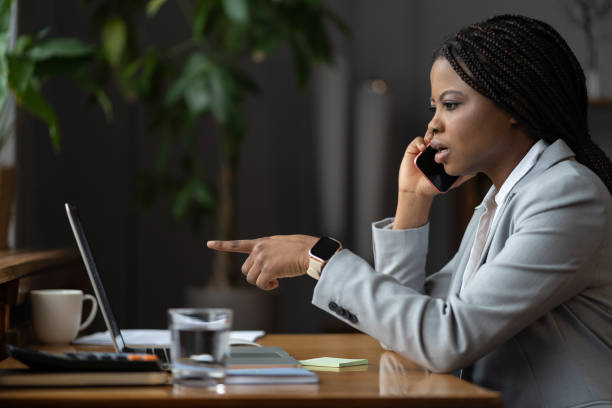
<point x="470" y="132"/>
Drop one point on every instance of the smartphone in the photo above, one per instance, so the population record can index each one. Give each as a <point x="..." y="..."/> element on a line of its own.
<point x="434" y="171"/>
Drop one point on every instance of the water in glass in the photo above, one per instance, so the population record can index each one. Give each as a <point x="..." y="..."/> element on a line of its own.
<point x="200" y="345"/>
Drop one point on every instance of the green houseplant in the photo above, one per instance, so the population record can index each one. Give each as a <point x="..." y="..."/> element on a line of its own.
<point x="204" y="77"/>
<point x="24" y="70"/>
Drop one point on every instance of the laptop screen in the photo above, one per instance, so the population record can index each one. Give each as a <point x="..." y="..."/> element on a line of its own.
<point x="96" y="281"/>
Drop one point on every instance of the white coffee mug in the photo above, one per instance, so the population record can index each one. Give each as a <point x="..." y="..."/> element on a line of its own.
<point x="56" y="314"/>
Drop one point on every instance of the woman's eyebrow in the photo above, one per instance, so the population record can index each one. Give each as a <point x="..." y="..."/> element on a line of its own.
<point x="447" y="92"/>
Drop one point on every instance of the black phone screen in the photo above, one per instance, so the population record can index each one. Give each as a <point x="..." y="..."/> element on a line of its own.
<point x="434" y="171"/>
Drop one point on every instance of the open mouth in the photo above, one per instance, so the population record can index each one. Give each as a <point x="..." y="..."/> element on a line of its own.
<point x="442" y="151"/>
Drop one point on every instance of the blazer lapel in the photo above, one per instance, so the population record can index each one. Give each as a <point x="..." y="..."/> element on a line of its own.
<point x="553" y="154"/>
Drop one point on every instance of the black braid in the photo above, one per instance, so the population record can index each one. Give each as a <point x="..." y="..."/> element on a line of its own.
<point x="528" y="70"/>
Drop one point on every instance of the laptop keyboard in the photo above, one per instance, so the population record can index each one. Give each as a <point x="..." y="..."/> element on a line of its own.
<point x="162" y="353"/>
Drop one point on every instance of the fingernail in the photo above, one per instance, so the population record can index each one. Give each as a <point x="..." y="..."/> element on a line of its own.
<point x="211" y="243"/>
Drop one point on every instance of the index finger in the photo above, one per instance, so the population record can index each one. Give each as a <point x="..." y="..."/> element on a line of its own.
<point x="416" y="146"/>
<point x="244" y="246"/>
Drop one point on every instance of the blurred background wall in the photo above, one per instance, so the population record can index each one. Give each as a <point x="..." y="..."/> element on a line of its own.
<point x="302" y="171"/>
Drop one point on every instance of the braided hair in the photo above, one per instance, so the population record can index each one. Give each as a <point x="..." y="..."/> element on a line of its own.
<point x="529" y="71"/>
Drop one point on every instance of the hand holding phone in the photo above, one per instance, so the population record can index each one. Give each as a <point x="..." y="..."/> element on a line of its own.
<point x="434" y="172"/>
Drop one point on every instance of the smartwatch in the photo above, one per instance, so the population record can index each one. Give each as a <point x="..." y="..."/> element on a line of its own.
<point x="320" y="253"/>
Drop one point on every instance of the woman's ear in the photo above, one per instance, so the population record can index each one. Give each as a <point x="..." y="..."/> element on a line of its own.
<point x="513" y="122"/>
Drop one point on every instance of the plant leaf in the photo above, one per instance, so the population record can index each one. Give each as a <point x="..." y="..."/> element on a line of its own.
<point x="236" y="10"/>
<point x="102" y="98"/>
<point x="233" y="131"/>
<point x="318" y="41"/>
<point x="150" y="65"/>
<point x="114" y="37"/>
<point x="153" y="7"/>
<point x="33" y="101"/>
<point x="3" y="82"/>
<point x="201" y="17"/>
<point x="59" y="48"/>
<point x="193" y="193"/>
<point x="22" y="43"/>
<point x="234" y="38"/>
<point x="54" y="67"/>
<point x="197" y="96"/>
<point x="105" y="104"/>
<point x="181" y="202"/>
<point x="266" y="39"/>
<point x="203" y="194"/>
<point x="42" y="34"/>
<point x="5" y="15"/>
<point x="20" y="70"/>
<point x="5" y="22"/>
<point x="196" y="65"/>
<point x="221" y="87"/>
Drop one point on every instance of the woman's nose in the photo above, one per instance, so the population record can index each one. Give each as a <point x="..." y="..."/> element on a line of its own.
<point x="433" y="127"/>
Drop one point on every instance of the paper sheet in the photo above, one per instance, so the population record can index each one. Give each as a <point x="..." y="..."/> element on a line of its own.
<point x="336" y="369"/>
<point x="334" y="362"/>
<point x="135" y="337"/>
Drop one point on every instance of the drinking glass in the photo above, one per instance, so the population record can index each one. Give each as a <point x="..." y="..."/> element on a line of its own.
<point x="200" y="345"/>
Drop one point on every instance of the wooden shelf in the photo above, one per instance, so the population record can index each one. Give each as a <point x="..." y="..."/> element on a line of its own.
<point x="604" y="102"/>
<point x="24" y="270"/>
<point x="20" y="263"/>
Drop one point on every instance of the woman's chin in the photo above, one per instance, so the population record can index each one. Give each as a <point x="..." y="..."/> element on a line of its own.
<point x="451" y="171"/>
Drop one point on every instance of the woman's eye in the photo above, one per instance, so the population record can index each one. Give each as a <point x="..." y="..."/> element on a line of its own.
<point x="432" y="109"/>
<point x="450" y="105"/>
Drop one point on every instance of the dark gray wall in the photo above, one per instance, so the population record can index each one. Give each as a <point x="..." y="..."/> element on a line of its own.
<point x="147" y="259"/>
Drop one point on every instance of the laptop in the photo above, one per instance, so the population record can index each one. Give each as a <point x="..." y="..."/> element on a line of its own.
<point x="240" y="356"/>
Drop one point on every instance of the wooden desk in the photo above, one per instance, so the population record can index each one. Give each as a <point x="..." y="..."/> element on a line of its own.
<point x="388" y="381"/>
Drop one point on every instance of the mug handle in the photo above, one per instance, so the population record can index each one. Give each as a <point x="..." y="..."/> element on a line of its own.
<point x="92" y="313"/>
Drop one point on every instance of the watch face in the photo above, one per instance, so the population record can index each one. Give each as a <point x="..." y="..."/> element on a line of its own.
<point x="325" y="248"/>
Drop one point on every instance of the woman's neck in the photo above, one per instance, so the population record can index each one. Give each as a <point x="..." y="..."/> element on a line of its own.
<point x="510" y="160"/>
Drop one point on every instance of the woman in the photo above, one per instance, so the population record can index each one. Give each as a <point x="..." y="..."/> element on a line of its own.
<point x="525" y="305"/>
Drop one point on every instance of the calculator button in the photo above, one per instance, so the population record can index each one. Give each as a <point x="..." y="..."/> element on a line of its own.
<point x="142" y="357"/>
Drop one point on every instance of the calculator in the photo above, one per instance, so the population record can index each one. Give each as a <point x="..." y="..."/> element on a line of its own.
<point x="84" y="360"/>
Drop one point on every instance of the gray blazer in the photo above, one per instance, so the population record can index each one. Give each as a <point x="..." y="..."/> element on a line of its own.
<point x="535" y="321"/>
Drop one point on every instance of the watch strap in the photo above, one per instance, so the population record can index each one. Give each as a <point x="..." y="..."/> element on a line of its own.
<point x="315" y="267"/>
<point x="316" y="263"/>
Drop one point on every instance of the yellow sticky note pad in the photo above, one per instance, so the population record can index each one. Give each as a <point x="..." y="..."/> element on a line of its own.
<point x="334" y="362"/>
